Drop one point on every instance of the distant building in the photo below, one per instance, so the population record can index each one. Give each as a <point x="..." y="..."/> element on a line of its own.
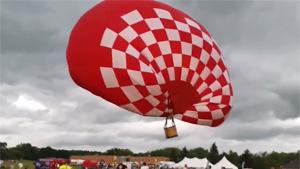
<point x="111" y="159"/>
<point x="295" y="164"/>
<point x="107" y="158"/>
<point x="150" y="160"/>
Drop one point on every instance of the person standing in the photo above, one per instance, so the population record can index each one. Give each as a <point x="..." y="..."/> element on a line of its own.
<point x="144" y="166"/>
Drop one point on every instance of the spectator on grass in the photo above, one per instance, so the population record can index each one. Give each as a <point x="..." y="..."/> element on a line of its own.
<point x="20" y="165"/>
<point x="144" y="166"/>
<point x="121" y="166"/>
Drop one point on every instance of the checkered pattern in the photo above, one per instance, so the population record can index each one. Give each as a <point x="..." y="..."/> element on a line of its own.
<point x="183" y="52"/>
<point x="145" y="50"/>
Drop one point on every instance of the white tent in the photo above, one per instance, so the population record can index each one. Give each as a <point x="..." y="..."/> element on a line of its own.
<point x="224" y="163"/>
<point x="77" y="161"/>
<point x="166" y="164"/>
<point x="194" y="163"/>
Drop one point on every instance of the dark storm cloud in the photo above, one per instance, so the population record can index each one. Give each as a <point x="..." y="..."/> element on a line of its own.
<point x="252" y="25"/>
<point x="259" y="40"/>
<point x="290" y="96"/>
<point x="82" y="140"/>
<point x="260" y="130"/>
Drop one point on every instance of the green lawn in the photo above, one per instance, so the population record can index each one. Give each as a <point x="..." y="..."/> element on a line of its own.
<point x="26" y="163"/>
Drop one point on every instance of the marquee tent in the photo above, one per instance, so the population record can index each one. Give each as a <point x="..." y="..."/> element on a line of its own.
<point x="224" y="163"/>
<point x="194" y="163"/>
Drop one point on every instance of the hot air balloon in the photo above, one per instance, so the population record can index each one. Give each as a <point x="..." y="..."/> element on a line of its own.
<point x="150" y="59"/>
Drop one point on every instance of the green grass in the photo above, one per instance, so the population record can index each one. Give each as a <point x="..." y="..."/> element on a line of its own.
<point x="26" y="163"/>
<point x="76" y="167"/>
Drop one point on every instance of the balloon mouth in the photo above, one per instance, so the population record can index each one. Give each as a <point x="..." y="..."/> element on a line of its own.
<point x="182" y="96"/>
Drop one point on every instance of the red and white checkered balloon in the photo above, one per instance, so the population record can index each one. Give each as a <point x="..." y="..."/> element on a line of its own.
<point x="139" y="54"/>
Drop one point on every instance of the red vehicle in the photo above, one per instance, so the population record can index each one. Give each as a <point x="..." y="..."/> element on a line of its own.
<point x="90" y="164"/>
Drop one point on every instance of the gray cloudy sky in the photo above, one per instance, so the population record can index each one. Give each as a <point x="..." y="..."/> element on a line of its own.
<point x="40" y="104"/>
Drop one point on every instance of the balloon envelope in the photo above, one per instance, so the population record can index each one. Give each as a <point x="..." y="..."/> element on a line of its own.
<point x="140" y="54"/>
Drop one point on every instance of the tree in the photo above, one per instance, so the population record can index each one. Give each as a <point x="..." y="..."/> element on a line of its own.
<point x="120" y="152"/>
<point x="247" y="157"/>
<point x="184" y="153"/>
<point x="213" y="155"/>
<point x="199" y="152"/>
<point x="233" y="157"/>
<point x="259" y="161"/>
<point x="174" y="154"/>
<point x="28" y="152"/>
<point x="3" y="148"/>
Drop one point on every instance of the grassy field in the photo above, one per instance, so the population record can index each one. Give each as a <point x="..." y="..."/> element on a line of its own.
<point x="26" y="163"/>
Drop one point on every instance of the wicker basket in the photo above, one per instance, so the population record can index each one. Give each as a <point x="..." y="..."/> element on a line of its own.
<point x="170" y="131"/>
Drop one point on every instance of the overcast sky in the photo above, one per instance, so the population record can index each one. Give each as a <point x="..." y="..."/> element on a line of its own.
<point x="40" y="104"/>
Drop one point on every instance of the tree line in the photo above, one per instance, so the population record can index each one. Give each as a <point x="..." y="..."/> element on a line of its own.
<point x="261" y="160"/>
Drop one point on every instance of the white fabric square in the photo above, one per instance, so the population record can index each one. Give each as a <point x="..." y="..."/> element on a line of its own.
<point x="155" y="112"/>
<point x="154" y="23"/>
<point x="207" y="38"/>
<point x="108" y="38"/>
<point x="173" y="34"/>
<point x="131" y="107"/>
<point x="226" y="75"/>
<point x="192" y="114"/>
<point x="201" y="108"/>
<point x="192" y="23"/>
<point x="226" y="90"/>
<point x="202" y="87"/>
<point x="215" y="86"/>
<point x="118" y="59"/>
<point x="166" y="94"/>
<point x="146" y="52"/>
<point x="164" y="47"/>
<point x="109" y="77"/>
<point x="154" y="90"/>
<point x="171" y="73"/>
<point x="128" y="34"/>
<point x="204" y="57"/>
<point x="160" y="62"/>
<point x="148" y="38"/>
<point x="204" y="74"/>
<point x="217" y="71"/>
<point x="177" y="60"/>
<point x="217" y="114"/>
<point x="194" y="79"/>
<point x="214" y="54"/>
<point x="145" y="68"/>
<point x="182" y="26"/>
<point x="194" y="63"/>
<point x="132" y="51"/>
<point x="163" y="13"/>
<point x="132" y="93"/>
<point x="186" y="48"/>
<point x="178" y="116"/>
<point x="207" y="96"/>
<point x="136" y="77"/>
<point x="204" y="122"/>
<point x="160" y="78"/>
<point x="132" y="17"/>
<point x="152" y="100"/>
<point x="184" y="73"/>
<point x="197" y="41"/>
<point x="216" y="99"/>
